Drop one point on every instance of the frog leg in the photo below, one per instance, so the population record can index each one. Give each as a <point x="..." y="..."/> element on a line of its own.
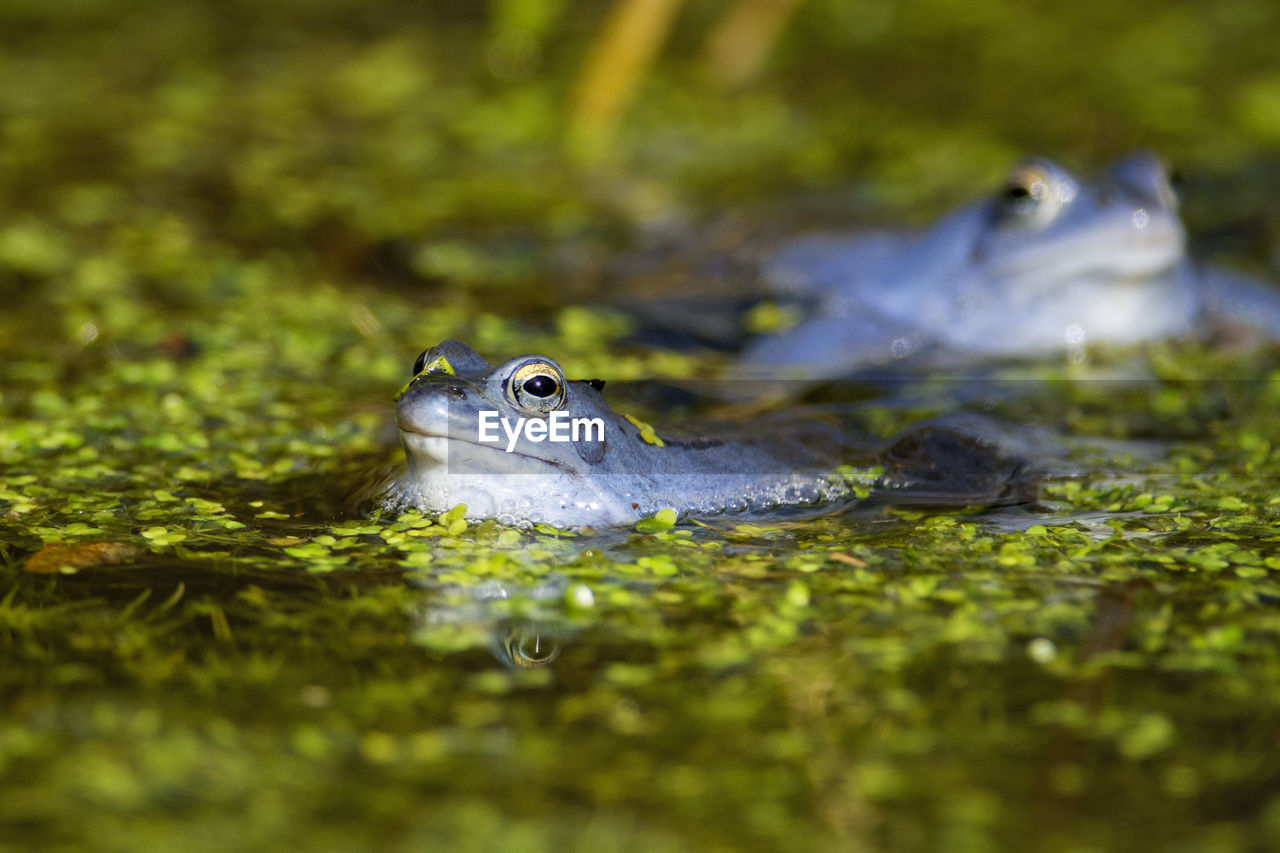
<point x="819" y="264"/>
<point x="828" y="347"/>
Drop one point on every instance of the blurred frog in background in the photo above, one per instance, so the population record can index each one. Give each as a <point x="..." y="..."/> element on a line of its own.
<point x="1047" y="266"/>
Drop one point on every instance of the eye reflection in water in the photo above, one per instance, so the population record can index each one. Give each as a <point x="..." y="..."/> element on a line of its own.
<point x="530" y="640"/>
<point x="525" y="648"/>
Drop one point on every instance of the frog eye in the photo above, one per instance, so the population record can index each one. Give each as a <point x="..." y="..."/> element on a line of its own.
<point x="1030" y="195"/>
<point x="537" y="386"/>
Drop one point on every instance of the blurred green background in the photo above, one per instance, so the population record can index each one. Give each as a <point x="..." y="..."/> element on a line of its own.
<point x="148" y="145"/>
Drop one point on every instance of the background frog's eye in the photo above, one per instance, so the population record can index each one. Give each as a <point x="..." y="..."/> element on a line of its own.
<point x="420" y="363"/>
<point x="537" y="387"/>
<point x="1026" y="185"/>
<point x="1029" y="195"/>
<point x="1017" y="192"/>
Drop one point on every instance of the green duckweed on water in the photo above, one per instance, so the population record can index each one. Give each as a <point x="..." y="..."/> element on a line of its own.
<point x="227" y="231"/>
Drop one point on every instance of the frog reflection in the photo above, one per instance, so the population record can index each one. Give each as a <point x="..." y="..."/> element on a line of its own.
<point x="523" y="643"/>
<point x="527" y="646"/>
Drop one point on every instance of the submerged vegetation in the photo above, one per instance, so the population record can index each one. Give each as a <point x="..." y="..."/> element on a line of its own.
<point x="226" y="232"/>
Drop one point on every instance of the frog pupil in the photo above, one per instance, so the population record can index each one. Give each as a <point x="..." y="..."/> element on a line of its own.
<point x="420" y="363"/>
<point x="541" y="386"/>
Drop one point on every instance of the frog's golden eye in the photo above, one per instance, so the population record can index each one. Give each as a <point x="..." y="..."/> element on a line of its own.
<point x="537" y="386"/>
<point x="1029" y="194"/>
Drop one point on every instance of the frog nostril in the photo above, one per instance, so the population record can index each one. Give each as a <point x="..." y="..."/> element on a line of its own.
<point x="455" y="392"/>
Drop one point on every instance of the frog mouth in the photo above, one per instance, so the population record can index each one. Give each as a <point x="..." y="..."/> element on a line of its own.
<point x="435" y="446"/>
<point x="1132" y="257"/>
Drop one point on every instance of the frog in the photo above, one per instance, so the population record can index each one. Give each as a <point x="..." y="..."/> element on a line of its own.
<point x="1051" y="265"/>
<point x="521" y="443"/>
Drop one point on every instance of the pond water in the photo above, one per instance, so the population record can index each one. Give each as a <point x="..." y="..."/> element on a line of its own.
<point x="227" y="231"/>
